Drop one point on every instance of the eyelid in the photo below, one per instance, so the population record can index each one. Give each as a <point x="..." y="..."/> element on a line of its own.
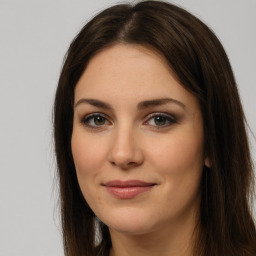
<point x="87" y="117"/>
<point x="170" y="118"/>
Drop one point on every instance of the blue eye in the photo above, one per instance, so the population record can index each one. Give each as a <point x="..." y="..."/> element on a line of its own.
<point x="161" y="120"/>
<point x="95" y="120"/>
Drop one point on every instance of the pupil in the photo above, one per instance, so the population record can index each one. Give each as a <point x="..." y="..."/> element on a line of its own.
<point x="99" y="120"/>
<point x="159" y="120"/>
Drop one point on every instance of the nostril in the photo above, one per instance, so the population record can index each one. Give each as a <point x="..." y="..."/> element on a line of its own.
<point x="113" y="163"/>
<point x="132" y="164"/>
<point x="125" y="155"/>
<point x="124" y="165"/>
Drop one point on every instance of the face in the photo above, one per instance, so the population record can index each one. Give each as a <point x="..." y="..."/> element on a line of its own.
<point x="137" y="141"/>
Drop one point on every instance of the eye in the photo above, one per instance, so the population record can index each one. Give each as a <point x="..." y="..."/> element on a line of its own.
<point x="95" y="120"/>
<point x="159" y="120"/>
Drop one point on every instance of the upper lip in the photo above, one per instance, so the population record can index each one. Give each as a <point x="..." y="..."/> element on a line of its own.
<point x="128" y="183"/>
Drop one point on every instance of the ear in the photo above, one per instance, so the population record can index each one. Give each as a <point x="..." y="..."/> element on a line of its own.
<point x="207" y="162"/>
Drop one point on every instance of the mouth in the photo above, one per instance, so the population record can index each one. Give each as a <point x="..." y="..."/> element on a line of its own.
<point x="127" y="189"/>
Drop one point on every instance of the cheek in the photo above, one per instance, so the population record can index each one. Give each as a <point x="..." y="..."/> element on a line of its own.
<point x="185" y="154"/>
<point x="87" y="153"/>
<point x="87" y="163"/>
<point x="179" y="159"/>
<point x="177" y="154"/>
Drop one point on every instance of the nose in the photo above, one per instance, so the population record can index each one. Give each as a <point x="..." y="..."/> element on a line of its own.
<point x="125" y="151"/>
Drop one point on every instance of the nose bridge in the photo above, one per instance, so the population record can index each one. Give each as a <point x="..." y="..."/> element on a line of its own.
<point x="125" y="149"/>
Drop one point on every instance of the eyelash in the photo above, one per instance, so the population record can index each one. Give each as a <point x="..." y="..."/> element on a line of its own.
<point x="170" y="120"/>
<point x="87" y="118"/>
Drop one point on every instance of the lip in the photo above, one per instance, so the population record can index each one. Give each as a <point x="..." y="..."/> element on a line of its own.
<point x="127" y="189"/>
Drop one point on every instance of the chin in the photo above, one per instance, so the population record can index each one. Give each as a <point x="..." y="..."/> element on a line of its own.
<point x="130" y="228"/>
<point x="129" y="222"/>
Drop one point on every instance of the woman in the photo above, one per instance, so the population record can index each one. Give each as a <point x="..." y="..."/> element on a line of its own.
<point x="150" y="139"/>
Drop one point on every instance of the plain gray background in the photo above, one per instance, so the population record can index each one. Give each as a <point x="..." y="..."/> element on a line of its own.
<point x="34" y="36"/>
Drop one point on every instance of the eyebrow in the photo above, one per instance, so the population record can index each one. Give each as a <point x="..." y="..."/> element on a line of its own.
<point x="141" y="105"/>
<point x="93" y="102"/>
<point x="158" y="102"/>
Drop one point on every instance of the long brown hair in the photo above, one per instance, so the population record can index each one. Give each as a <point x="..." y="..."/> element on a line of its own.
<point x="196" y="56"/>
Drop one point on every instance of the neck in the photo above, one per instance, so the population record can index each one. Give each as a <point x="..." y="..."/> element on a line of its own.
<point x="176" y="239"/>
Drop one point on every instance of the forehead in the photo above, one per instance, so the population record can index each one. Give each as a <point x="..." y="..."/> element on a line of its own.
<point x="130" y="72"/>
<point x="127" y="59"/>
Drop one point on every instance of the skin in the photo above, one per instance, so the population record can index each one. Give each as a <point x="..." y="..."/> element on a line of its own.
<point x="129" y="143"/>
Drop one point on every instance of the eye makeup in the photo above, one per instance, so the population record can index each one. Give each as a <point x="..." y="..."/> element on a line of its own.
<point x="95" y="120"/>
<point x="155" y="120"/>
<point x="160" y="120"/>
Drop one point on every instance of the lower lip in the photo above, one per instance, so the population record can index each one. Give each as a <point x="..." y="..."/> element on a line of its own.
<point x="128" y="192"/>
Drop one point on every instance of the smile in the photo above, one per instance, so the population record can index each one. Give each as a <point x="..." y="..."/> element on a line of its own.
<point x="127" y="189"/>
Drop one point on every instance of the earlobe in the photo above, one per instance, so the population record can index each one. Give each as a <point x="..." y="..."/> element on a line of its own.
<point x="207" y="162"/>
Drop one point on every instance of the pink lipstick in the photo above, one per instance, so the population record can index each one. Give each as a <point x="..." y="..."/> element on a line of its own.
<point x="127" y="189"/>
